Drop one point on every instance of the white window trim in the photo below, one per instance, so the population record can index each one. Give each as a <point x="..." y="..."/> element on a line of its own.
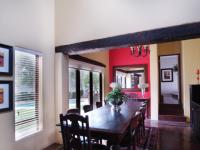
<point x="40" y="107"/>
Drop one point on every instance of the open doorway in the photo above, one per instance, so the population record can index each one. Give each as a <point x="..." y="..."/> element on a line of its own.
<point x="170" y="86"/>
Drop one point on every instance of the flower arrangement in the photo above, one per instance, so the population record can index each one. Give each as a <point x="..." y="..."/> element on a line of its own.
<point x="143" y="86"/>
<point x="116" y="96"/>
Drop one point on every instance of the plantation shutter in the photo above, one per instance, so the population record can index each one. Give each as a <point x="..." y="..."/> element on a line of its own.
<point x="26" y="94"/>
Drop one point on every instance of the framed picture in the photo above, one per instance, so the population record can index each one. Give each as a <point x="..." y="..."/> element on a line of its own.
<point x="6" y="60"/>
<point x="6" y="96"/>
<point x="167" y="75"/>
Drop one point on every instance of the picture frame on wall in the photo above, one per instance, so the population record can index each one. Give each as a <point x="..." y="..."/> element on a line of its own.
<point x="6" y="60"/>
<point x="167" y="75"/>
<point x="6" y="96"/>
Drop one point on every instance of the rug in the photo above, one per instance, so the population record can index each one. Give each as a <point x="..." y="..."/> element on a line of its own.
<point x="149" y="142"/>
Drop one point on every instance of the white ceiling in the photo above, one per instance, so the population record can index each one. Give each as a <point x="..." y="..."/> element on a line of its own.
<point x="82" y="20"/>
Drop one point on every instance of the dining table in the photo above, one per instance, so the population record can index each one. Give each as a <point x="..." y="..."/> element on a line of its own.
<point x="106" y="123"/>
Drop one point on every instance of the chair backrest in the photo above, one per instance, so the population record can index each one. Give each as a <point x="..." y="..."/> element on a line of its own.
<point x="136" y="120"/>
<point x="73" y="111"/>
<point x="134" y="126"/>
<point x="98" y="104"/>
<point x="143" y="111"/>
<point x="87" y="108"/>
<point x="75" y="132"/>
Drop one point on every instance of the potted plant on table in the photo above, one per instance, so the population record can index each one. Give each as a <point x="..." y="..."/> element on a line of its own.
<point x="116" y="97"/>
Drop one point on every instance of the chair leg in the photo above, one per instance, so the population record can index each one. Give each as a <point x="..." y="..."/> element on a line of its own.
<point x="134" y="143"/>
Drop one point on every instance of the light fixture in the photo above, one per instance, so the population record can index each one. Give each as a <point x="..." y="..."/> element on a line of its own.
<point x="140" y="50"/>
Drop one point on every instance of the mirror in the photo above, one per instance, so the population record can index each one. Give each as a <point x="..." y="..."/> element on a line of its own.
<point x="129" y="77"/>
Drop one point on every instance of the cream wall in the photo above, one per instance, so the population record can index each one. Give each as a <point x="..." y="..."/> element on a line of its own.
<point x="154" y="81"/>
<point x="30" y="24"/>
<point x="191" y="62"/>
<point x="78" y="21"/>
<point x="102" y="57"/>
<point x="61" y="88"/>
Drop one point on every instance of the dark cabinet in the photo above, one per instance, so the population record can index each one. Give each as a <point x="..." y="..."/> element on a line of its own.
<point x="195" y="109"/>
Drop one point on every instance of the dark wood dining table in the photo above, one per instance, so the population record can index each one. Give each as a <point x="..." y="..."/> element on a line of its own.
<point x="111" y="125"/>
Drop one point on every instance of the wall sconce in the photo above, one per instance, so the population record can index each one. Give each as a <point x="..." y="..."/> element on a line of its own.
<point x="140" y="50"/>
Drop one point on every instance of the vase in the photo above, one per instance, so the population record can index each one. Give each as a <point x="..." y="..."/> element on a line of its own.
<point x="143" y="92"/>
<point x="116" y="108"/>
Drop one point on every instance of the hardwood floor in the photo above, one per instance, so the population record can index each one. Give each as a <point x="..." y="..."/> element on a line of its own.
<point x="171" y="136"/>
<point x="174" y="136"/>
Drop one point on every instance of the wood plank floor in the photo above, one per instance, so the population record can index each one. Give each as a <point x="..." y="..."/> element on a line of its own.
<point x="174" y="136"/>
<point x="171" y="136"/>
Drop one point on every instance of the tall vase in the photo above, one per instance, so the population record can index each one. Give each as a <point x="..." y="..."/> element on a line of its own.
<point x="116" y="108"/>
<point x="143" y="92"/>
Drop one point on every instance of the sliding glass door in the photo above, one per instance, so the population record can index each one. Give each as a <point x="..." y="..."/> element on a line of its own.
<point x="85" y="88"/>
<point x="96" y="88"/>
<point x="72" y="88"/>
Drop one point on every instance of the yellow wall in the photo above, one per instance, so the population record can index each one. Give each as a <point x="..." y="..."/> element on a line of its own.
<point x="30" y="24"/>
<point x="169" y="48"/>
<point x="102" y="57"/>
<point x="191" y="62"/>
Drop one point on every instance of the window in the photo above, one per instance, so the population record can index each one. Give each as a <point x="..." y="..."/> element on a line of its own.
<point x="85" y="88"/>
<point x="96" y="88"/>
<point x="27" y="94"/>
<point x="72" y="88"/>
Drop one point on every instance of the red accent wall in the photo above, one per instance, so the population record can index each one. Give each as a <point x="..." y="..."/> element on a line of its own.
<point x="123" y="57"/>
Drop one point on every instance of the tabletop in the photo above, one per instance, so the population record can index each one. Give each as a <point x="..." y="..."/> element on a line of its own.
<point x="107" y="123"/>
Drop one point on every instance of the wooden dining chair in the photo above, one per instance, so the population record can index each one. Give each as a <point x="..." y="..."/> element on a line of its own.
<point x="76" y="133"/>
<point x="98" y="104"/>
<point x="142" y="122"/>
<point x="87" y="108"/>
<point x="73" y="111"/>
<point x="131" y="139"/>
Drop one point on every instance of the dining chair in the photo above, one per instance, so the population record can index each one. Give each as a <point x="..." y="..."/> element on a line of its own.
<point x="130" y="140"/>
<point x="98" y="104"/>
<point x="76" y="133"/>
<point x="87" y="108"/>
<point x="142" y="122"/>
<point x="73" y="111"/>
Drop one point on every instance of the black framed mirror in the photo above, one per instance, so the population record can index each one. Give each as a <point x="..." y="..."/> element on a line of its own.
<point x="129" y="77"/>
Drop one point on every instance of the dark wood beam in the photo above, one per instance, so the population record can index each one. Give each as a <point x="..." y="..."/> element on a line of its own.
<point x="86" y="60"/>
<point x="167" y="34"/>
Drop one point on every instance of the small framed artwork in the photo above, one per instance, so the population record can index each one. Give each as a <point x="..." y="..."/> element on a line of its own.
<point x="167" y="75"/>
<point x="6" y="60"/>
<point x="6" y="96"/>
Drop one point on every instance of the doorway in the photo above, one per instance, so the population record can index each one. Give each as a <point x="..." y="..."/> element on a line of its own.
<point x="170" y="86"/>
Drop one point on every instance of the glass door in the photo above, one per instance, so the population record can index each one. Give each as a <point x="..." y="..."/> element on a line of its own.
<point x="84" y="88"/>
<point x="96" y="88"/>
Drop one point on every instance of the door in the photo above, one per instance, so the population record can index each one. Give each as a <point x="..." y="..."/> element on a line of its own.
<point x="170" y="80"/>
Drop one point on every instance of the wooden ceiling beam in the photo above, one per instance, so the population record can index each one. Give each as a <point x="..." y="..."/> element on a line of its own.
<point x="167" y="34"/>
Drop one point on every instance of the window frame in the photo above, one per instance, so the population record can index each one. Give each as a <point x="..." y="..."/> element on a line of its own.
<point x="78" y="96"/>
<point x="40" y="90"/>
